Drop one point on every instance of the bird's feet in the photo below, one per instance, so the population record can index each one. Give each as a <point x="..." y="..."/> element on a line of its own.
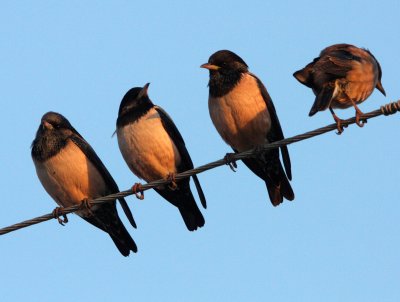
<point x="57" y="213"/>
<point x="138" y="191"/>
<point x="172" y="185"/>
<point x="359" y="121"/>
<point x="230" y="161"/>
<point x="338" y="121"/>
<point x="86" y="206"/>
<point x="339" y="125"/>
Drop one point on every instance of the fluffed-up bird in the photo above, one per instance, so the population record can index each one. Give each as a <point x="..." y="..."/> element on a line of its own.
<point x="72" y="173"/>
<point x="342" y="76"/>
<point x="244" y="115"/>
<point x="153" y="148"/>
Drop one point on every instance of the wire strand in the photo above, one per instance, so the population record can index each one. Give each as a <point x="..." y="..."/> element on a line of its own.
<point x="385" y="110"/>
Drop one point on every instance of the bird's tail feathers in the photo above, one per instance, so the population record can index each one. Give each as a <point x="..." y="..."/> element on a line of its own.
<point x="127" y="212"/>
<point x="106" y="218"/>
<point x="200" y="191"/>
<point x="322" y="100"/>
<point x="279" y="187"/>
<point x="123" y="240"/>
<point x="190" y="212"/>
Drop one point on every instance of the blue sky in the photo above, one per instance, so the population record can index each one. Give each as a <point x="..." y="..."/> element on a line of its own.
<point x="339" y="239"/>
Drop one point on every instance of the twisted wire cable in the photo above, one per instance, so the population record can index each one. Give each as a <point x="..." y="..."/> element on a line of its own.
<point x="385" y="110"/>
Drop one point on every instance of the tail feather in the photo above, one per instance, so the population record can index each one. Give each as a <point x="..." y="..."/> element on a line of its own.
<point x="200" y="191"/>
<point x="279" y="188"/>
<point x="272" y="173"/>
<point x="183" y="199"/>
<point x="123" y="241"/>
<point x="127" y="212"/>
<point x="106" y="218"/>
<point x="322" y="100"/>
<point x="191" y="214"/>
<point x="274" y="194"/>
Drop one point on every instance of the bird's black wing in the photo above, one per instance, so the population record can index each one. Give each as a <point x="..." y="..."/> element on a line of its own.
<point x="276" y="132"/>
<point x="95" y="160"/>
<point x="177" y="138"/>
<point x="337" y="63"/>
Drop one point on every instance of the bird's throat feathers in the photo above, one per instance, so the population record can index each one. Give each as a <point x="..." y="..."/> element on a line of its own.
<point x="221" y="83"/>
<point x="131" y="113"/>
<point x="47" y="144"/>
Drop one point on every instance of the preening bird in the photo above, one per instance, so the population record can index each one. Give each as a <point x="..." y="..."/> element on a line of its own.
<point x="154" y="149"/>
<point x="244" y="115"/>
<point x="342" y="76"/>
<point x="72" y="173"/>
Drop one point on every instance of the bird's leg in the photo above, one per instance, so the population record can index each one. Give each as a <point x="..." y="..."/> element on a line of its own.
<point x="137" y="190"/>
<point x="86" y="205"/>
<point x="338" y="122"/>
<point x="57" y="212"/>
<point x="360" y="122"/>
<point x="230" y="161"/>
<point x="171" y="177"/>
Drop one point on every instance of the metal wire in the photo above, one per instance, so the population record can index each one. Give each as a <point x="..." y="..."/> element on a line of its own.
<point x="386" y="110"/>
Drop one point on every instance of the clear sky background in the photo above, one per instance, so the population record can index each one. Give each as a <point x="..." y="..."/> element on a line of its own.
<point x="339" y="239"/>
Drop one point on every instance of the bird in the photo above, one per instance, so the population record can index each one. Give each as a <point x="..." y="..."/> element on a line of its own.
<point x="72" y="173"/>
<point x="342" y="76"/>
<point x="245" y="117"/>
<point x="154" y="149"/>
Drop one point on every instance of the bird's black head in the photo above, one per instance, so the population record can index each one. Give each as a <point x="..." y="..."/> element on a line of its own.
<point x="55" y="121"/>
<point x="225" y="61"/>
<point x="51" y="136"/>
<point x="226" y="69"/>
<point x="134" y="105"/>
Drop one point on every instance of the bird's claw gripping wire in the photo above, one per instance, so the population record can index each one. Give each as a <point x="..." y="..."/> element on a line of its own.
<point x="230" y="161"/>
<point x="57" y="213"/>
<point x="86" y="205"/>
<point x="338" y="121"/>
<point x="339" y="125"/>
<point x="386" y="109"/>
<point x="138" y="191"/>
<point x="172" y="185"/>
<point x="360" y="122"/>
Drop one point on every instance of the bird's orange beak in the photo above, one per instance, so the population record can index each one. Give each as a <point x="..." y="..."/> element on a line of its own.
<point x="210" y="66"/>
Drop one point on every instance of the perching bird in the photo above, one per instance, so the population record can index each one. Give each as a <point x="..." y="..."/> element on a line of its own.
<point x="244" y="115"/>
<point x="342" y="76"/>
<point x="72" y="173"/>
<point x="154" y="149"/>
